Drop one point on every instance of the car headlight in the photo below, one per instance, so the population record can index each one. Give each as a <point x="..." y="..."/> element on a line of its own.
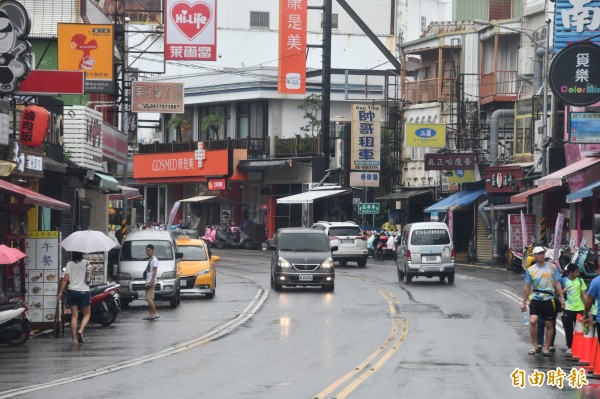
<point x="328" y="264"/>
<point x="167" y="275"/>
<point x="284" y="264"/>
<point x="202" y="272"/>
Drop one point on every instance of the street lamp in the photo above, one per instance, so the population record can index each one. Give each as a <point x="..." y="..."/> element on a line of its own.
<point x="546" y="48"/>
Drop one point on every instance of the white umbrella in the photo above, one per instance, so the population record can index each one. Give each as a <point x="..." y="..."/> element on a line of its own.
<point x="88" y="241"/>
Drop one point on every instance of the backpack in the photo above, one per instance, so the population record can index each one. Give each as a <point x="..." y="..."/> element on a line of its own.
<point x="148" y="268"/>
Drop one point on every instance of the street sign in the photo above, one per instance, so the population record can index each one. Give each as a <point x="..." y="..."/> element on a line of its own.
<point x="367" y="208"/>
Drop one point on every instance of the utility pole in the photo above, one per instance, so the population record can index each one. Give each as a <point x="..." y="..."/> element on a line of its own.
<point x="544" y="154"/>
<point x="326" y="82"/>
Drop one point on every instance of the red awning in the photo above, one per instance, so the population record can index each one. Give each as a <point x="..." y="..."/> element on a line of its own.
<point x="33" y="198"/>
<point x="556" y="178"/>
<point x="522" y="197"/>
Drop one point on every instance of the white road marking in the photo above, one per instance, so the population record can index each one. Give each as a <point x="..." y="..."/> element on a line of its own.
<point x="516" y="298"/>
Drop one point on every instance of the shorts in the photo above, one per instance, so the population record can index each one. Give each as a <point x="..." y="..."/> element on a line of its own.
<point x="546" y="310"/>
<point x="81" y="299"/>
<point x="150" y="294"/>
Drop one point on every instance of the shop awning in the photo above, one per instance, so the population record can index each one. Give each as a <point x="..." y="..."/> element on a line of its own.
<point x="556" y="178"/>
<point x="309" y="196"/>
<point x="32" y="198"/>
<point x="126" y="193"/>
<point x="461" y="198"/>
<point x="249" y="165"/>
<point x="209" y="198"/>
<point x="522" y="197"/>
<point x="106" y="183"/>
<point x="404" y="194"/>
<point x="585" y="192"/>
<point x="505" y="207"/>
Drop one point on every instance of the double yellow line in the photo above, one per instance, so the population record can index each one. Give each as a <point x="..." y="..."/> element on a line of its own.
<point x="351" y="380"/>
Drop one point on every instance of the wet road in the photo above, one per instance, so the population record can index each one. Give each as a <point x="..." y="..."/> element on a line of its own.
<point x="372" y="338"/>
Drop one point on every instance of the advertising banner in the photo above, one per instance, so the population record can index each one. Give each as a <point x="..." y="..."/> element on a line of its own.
<point x="180" y="164"/>
<point x="88" y="48"/>
<point x="574" y="21"/>
<point x="157" y="97"/>
<point x="364" y="179"/>
<point x="191" y="30"/>
<point x="516" y="232"/>
<point x="173" y="213"/>
<point x="42" y="267"/>
<point x="558" y="229"/>
<point x="449" y="161"/>
<point x="431" y="135"/>
<point x="584" y="127"/>
<point x="293" y="20"/>
<point x="365" y="151"/>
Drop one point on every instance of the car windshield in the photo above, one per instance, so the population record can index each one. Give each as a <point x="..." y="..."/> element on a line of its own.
<point x="189" y="233"/>
<point x="303" y="243"/>
<point x="344" y="231"/>
<point x="430" y="237"/>
<point x="192" y="252"/>
<point x="136" y="250"/>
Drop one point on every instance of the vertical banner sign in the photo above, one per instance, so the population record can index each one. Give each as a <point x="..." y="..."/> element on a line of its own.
<point x="575" y="21"/>
<point x="524" y="235"/>
<point x="293" y="18"/>
<point x="558" y="229"/>
<point x="88" y="48"/>
<point x="191" y="30"/>
<point x="365" y="153"/>
<point x="14" y="28"/>
<point x="42" y="275"/>
<point x="173" y="213"/>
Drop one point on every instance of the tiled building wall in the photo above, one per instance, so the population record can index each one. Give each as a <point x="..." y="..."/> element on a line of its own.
<point x="98" y="211"/>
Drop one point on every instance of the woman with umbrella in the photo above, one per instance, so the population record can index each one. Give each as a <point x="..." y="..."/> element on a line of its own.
<point x="78" y="293"/>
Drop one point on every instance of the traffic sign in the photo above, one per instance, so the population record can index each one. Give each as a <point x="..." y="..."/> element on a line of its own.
<point x="367" y="208"/>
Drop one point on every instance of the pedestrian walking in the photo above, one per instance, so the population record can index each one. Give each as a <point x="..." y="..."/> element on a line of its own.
<point x="150" y="277"/>
<point x="543" y="278"/>
<point x="77" y="275"/>
<point x="541" y="325"/>
<point x="574" y="290"/>
<point x="591" y="301"/>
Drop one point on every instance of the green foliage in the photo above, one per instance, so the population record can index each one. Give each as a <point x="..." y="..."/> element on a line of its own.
<point x="178" y="122"/>
<point x="212" y="122"/>
<point x="311" y="107"/>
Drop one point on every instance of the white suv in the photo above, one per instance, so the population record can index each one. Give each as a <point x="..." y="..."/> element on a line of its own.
<point x="350" y="240"/>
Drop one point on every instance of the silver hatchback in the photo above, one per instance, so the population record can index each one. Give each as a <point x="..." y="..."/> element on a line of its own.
<point x="349" y="239"/>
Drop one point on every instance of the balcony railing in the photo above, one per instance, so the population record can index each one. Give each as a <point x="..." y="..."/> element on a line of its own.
<point x="257" y="147"/>
<point x="499" y="84"/>
<point x="427" y="90"/>
<point x="297" y="147"/>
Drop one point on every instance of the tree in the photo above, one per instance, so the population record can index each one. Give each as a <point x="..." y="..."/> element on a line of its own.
<point x="178" y="123"/>
<point x="311" y="106"/>
<point x="212" y="122"/>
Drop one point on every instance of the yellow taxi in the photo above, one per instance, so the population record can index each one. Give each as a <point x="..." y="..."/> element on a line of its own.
<point x="197" y="269"/>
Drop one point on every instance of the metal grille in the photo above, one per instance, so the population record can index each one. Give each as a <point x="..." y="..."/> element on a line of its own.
<point x="305" y="266"/>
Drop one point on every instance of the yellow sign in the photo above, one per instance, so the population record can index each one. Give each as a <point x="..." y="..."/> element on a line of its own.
<point x="463" y="176"/>
<point x="88" y="48"/>
<point x="43" y="234"/>
<point x="425" y="135"/>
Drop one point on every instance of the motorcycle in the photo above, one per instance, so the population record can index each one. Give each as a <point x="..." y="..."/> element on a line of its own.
<point x="381" y="250"/>
<point x="105" y="303"/>
<point x="586" y="258"/>
<point x="233" y="238"/>
<point x="210" y="235"/>
<point x="515" y="262"/>
<point x="14" y="323"/>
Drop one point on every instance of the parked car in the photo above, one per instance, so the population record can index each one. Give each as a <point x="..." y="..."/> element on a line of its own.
<point x="197" y="269"/>
<point x="426" y="249"/>
<point x="350" y="240"/>
<point x="185" y="232"/>
<point x="301" y="257"/>
<point x="133" y="261"/>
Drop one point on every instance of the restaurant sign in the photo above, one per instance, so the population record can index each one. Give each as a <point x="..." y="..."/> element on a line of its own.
<point x="503" y="179"/>
<point x="449" y="161"/>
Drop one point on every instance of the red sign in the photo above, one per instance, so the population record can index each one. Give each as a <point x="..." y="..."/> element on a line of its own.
<point x="515" y="230"/>
<point x="191" y="30"/>
<point x="293" y="20"/>
<point x="52" y="82"/>
<point x="216" y="184"/>
<point x="450" y="161"/>
<point x="503" y="179"/>
<point x="180" y="164"/>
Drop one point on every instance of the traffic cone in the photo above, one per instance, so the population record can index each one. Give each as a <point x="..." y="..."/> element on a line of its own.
<point x="576" y="346"/>
<point x="596" y="371"/>
<point x="588" y="349"/>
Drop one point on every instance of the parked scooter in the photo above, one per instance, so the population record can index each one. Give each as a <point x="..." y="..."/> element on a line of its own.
<point x="515" y="262"/>
<point x="210" y="235"/>
<point x="586" y="258"/>
<point x="233" y="238"/>
<point x="105" y="303"/>
<point x="381" y="250"/>
<point x="14" y="323"/>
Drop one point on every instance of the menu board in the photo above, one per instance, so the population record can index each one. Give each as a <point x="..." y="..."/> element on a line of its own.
<point x="97" y="263"/>
<point x="42" y="274"/>
<point x="515" y="234"/>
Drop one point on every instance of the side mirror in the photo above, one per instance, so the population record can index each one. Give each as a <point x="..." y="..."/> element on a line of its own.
<point x="334" y="248"/>
<point x="215" y="258"/>
<point x="179" y="255"/>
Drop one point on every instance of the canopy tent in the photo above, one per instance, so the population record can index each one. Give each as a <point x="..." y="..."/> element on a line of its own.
<point x="556" y="178"/>
<point x="126" y="193"/>
<point x="585" y="192"/>
<point x="404" y="194"/>
<point x="461" y="198"/>
<point x="309" y="196"/>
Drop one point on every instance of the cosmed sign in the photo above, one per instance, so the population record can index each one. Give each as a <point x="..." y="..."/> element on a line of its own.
<point x="575" y="74"/>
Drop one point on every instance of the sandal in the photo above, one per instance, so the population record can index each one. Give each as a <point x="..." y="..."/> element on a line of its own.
<point x="532" y="352"/>
<point x="547" y="353"/>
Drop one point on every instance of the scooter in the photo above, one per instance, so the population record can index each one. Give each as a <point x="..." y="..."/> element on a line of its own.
<point x="381" y="249"/>
<point x="515" y="262"/>
<point x="233" y="238"/>
<point x="210" y="235"/>
<point x="14" y="323"/>
<point x="586" y="259"/>
<point x="105" y="303"/>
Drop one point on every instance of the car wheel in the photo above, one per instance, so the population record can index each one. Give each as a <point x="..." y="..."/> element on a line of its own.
<point x="451" y="278"/>
<point x="362" y="262"/>
<point x="407" y="277"/>
<point x="220" y="244"/>
<point x="278" y="287"/>
<point x="329" y="287"/>
<point x="400" y="275"/>
<point x="174" y="302"/>
<point x="247" y="244"/>
<point x="211" y="295"/>
<point x="442" y="279"/>
<point x="272" y="282"/>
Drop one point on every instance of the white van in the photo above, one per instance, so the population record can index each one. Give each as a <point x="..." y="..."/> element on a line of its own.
<point x="133" y="261"/>
<point x="426" y="249"/>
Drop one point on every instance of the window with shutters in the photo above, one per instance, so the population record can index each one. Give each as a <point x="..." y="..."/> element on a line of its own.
<point x="500" y="9"/>
<point x="259" y="20"/>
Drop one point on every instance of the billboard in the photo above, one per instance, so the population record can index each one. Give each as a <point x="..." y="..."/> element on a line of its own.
<point x="365" y="148"/>
<point x="191" y="30"/>
<point x="157" y="97"/>
<point x="432" y="135"/>
<point x="138" y="12"/>
<point x="575" y="74"/>
<point x="293" y="19"/>
<point x="584" y="127"/>
<point x="575" y="21"/>
<point x="88" y="48"/>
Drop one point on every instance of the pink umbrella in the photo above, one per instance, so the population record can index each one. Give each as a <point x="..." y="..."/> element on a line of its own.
<point x="10" y="255"/>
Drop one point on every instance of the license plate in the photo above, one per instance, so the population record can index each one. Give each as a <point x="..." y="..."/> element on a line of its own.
<point x="430" y="258"/>
<point x="347" y="241"/>
<point x="142" y="295"/>
<point x="183" y="283"/>
<point x="306" y="277"/>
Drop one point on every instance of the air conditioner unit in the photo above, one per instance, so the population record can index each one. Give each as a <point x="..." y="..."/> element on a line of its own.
<point x="526" y="55"/>
<point x="335" y="162"/>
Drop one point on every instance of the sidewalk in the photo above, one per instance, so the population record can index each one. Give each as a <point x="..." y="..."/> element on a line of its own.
<point x="462" y="258"/>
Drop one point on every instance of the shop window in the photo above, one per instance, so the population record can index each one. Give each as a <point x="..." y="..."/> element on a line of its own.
<point x="259" y="20"/>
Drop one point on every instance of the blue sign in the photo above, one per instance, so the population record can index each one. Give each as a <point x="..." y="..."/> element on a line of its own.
<point x="575" y="21"/>
<point x="425" y="132"/>
<point x="584" y="127"/>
